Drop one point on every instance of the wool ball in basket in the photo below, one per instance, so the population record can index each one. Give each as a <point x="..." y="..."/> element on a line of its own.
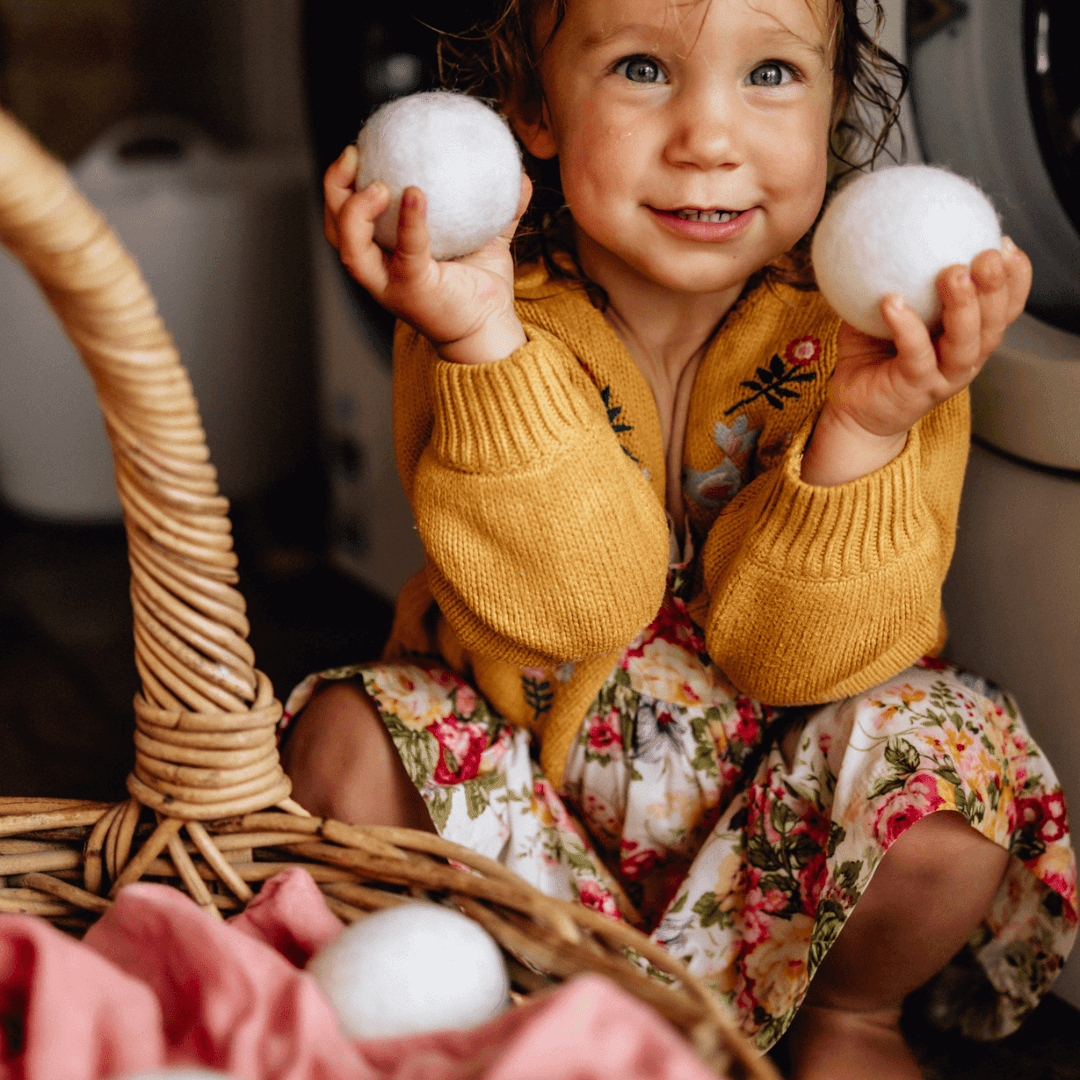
<point x="410" y="969"/>
<point x="894" y="231"/>
<point x="459" y="152"/>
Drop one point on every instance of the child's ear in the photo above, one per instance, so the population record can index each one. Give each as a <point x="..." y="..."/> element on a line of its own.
<point x="532" y="125"/>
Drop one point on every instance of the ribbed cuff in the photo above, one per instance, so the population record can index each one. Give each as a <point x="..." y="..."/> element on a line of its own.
<point x="500" y="416"/>
<point x="835" y="532"/>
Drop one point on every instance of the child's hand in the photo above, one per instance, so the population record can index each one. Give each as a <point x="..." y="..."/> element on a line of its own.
<point x="881" y="388"/>
<point x="466" y="307"/>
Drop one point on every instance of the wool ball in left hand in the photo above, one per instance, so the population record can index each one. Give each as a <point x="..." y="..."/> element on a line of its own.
<point x="459" y="152"/>
<point x="410" y="969"/>
<point x="894" y="231"/>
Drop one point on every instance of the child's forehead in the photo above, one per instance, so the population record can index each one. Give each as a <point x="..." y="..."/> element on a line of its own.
<point x="603" y="20"/>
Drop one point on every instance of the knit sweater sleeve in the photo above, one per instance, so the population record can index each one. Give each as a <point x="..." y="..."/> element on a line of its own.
<point x="544" y="543"/>
<point x="815" y="593"/>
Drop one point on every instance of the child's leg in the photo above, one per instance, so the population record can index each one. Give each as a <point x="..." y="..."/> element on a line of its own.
<point x="924" y="901"/>
<point x="343" y="764"/>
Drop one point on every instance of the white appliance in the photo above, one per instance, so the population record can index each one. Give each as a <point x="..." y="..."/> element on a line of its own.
<point x="983" y="73"/>
<point x="222" y="239"/>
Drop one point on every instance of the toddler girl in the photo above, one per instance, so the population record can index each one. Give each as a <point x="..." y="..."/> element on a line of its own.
<point x="673" y="649"/>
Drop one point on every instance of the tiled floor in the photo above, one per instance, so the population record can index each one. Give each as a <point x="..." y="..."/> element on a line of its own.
<point x="67" y="679"/>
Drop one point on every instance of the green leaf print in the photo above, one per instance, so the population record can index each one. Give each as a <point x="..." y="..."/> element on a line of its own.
<point x="704" y="747"/>
<point x="439" y="804"/>
<point x="847" y="877"/>
<point x="801" y="848"/>
<point x="710" y="913"/>
<point x="577" y="858"/>
<point x="948" y="774"/>
<point x="827" y="926"/>
<point x="836" y="837"/>
<point x="902" y="755"/>
<point x="1026" y="846"/>
<point x="761" y="855"/>
<point x="478" y="792"/>
<point x="885" y="785"/>
<point x="782" y="817"/>
<point x="419" y="750"/>
<point x="679" y="904"/>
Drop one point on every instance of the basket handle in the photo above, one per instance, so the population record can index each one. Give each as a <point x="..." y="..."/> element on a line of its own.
<point x="205" y="717"/>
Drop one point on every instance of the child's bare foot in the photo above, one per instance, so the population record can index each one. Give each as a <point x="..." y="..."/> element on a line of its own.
<point x="839" y="1044"/>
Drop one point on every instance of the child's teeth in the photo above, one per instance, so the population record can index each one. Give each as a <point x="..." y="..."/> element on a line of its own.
<point x="708" y="215"/>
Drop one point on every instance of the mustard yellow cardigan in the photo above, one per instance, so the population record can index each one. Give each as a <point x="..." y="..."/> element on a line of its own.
<point x="537" y="485"/>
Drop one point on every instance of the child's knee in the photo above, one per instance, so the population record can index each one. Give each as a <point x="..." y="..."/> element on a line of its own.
<point x="942" y="851"/>
<point x="334" y="745"/>
<point x="343" y="763"/>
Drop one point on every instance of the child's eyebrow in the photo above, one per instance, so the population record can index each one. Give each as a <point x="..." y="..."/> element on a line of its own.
<point x="603" y="37"/>
<point x="784" y="36"/>
<point x="781" y="36"/>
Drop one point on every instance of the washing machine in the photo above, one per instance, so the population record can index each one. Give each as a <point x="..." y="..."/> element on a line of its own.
<point x="995" y="96"/>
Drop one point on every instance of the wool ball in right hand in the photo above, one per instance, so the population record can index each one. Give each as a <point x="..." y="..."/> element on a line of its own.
<point x="894" y="231"/>
<point x="459" y="152"/>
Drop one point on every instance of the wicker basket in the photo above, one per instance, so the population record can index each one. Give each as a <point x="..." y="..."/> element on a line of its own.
<point x="210" y="810"/>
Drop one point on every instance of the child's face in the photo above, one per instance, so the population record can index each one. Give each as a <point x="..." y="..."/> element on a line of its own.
<point x="658" y="110"/>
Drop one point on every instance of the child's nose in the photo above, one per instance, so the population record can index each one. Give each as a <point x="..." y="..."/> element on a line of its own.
<point x="706" y="130"/>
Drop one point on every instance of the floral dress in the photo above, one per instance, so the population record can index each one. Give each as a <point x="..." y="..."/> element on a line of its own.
<point x="679" y="810"/>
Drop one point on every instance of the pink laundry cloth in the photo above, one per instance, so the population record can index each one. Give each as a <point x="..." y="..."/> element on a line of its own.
<point x="158" y="983"/>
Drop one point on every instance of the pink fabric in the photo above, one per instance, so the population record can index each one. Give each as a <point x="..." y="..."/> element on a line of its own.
<point x="157" y="982"/>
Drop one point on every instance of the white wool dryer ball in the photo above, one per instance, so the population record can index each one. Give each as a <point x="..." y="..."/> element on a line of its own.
<point x="410" y="969"/>
<point x="894" y="231"/>
<point x="459" y="152"/>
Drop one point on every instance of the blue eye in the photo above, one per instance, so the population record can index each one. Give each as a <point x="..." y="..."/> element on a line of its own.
<point x="640" y="69"/>
<point x="771" y="74"/>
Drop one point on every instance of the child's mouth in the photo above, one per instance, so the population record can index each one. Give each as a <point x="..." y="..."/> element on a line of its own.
<point x="707" y="215"/>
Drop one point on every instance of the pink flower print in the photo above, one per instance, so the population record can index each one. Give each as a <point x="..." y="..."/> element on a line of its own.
<point x="465" y="700"/>
<point x="1044" y="817"/>
<point x="802" y="352"/>
<point x="748" y="726"/>
<point x="460" y="749"/>
<point x="915" y="800"/>
<point x="1029" y="812"/>
<point x="632" y="864"/>
<point x="593" y="895"/>
<point x="1053" y="825"/>
<point x="605" y="733"/>
<point x="932" y="663"/>
<point x="1054" y="805"/>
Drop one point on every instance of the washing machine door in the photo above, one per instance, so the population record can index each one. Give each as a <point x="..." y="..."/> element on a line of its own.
<point x="995" y="96"/>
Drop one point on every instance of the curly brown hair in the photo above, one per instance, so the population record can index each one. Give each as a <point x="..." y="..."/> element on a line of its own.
<point x="499" y="61"/>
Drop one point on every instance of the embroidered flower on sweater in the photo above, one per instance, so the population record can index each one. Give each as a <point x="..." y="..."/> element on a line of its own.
<point x="774" y="382"/>
<point x="613" y="412"/>
<point x="738" y="438"/>
<point x="803" y="351"/>
<point x="716" y="487"/>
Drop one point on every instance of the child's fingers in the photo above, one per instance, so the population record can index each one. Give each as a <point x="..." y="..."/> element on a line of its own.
<point x="523" y="204"/>
<point x="991" y="285"/>
<point x="1017" y="277"/>
<point x="960" y="346"/>
<point x="412" y="253"/>
<point x="915" y="354"/>
<point x="354" y="225"/>
<point x="338" y="180"/>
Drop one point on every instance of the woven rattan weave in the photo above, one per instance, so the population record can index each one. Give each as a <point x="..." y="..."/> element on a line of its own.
<point x="209" y="810"/>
